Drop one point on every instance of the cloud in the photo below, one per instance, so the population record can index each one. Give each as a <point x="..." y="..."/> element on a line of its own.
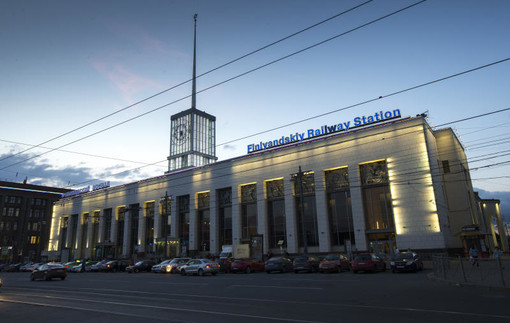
<point x="43" y="172"/>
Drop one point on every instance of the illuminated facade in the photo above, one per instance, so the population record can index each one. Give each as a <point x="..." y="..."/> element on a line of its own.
<point x="377" y="187"/>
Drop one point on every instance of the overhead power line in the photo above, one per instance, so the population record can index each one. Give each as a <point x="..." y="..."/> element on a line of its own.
<point x="187" y="81"/>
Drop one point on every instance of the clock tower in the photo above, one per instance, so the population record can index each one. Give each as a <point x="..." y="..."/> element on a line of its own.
<point x="192" y="132"/>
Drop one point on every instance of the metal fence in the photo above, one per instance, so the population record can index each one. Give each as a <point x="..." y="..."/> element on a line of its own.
<point x="485" y="272"/>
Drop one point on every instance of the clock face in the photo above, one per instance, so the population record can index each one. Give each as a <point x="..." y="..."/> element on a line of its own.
<point x="180" y="133"/>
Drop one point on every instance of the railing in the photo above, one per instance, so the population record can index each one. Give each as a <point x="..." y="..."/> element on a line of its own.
<point x="485" y="272"/>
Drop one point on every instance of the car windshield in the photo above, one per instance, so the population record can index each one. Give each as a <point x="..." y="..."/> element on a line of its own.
<point x="54" y="266"/>
<point x="139" y="263"/>
<point x="332" y="257"/>
<point x="402" y="256"/>
<point x="363" y="257"/>
<point x="275" y="259"/>
<point x="300" y="259"/>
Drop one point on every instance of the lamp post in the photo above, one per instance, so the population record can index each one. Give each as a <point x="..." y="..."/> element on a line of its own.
<point x="299" y="175"/>
<point x="165" y="231"/>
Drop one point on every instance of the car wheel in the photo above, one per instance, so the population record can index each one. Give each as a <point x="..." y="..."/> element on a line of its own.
<point x="354" y="271"/>
<point x="183" y="272"/>
<point x="267" y="271"/>
<point x="32" y="278"/>
<point x="213" y="273"/>
<point x="63" y="277"/>
<point x="137" y="270"/>
<point x="200" y="272"/>
<point x="248" y="270"/>
<point x="45" y="277"/>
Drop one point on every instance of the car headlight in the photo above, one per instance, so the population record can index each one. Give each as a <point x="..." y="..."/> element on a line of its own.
<point x="168" y="268"/>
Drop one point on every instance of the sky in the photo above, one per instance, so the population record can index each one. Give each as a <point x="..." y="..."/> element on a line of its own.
<point x="72" y="74"/>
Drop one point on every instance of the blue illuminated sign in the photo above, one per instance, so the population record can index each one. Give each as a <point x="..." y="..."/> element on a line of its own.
<point x="324" y="130"/>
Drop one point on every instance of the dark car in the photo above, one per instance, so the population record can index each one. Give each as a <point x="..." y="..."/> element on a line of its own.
<point x="49" y="271"/>
<point x="246" y="265"/>
<point x="13" y="267"/>
<point x="281" y="264"/>
<point x="115" y="266"/>
<point x="406" y="261"/>
<point x="144" y="265"/>
<point x="305" y="263"/>
<point x="334" y="263"/>
<point x="368" y="262"/>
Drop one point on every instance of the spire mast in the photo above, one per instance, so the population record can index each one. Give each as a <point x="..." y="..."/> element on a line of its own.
<point x="194" y="81"/>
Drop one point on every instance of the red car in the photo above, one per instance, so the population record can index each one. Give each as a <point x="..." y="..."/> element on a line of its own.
<point x="335" y="263"/>
<point x="246" y="265"/>
<point x="368" y="262"/>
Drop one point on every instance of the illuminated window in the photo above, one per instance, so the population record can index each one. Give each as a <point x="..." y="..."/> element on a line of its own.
<point x="276" y="213"/>
<point x="339" y="206"/>
<point x="225" y="215"/>
<point x="376" y="196"/>
<point x="309" y="213"/>
<point x="248" y="211"/>
<point x="204" y="220"/>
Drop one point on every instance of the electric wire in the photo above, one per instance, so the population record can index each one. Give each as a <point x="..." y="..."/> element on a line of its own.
<point x="221" y="83"/>
<point x="187" y="81"/>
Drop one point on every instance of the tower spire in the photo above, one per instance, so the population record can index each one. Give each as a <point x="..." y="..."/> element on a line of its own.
<point x="194" y="80"/>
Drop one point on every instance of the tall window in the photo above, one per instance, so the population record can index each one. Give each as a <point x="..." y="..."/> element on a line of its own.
<point x="95" y="231"/>
<point x="149" y="223"/>
<point x="121" y="214"/>
<point x="248" y="211"/>
<point x="339" y="206"/>
<point x="376" y="196"/>
<point x="183" y="205"/>
<point x="276" y="213"/>
<point x="134" y="216"/>
<point x="64" y="222"/>
<point x="309" y="214"/>
<point x="225" y="215"/>
<point x="204" y="220"/>
<point x="165" y="213"/>
<point x="84" y="233"/>
<point x="107" y="225"/>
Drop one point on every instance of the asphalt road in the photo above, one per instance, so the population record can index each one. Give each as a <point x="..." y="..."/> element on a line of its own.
<point x="256" y="297"/>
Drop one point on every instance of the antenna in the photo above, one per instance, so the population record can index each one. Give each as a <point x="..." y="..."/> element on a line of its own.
<point x="194" y="86"/>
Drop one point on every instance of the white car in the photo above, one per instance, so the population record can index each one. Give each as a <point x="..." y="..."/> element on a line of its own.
<point x="200" y="267"/>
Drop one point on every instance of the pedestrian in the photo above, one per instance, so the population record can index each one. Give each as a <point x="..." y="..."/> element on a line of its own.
<point x="497" y="253"/>
<point x="83" y="265"/>
<point x="473" y="255"/>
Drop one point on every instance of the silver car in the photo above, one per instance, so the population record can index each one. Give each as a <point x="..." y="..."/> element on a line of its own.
<point x="200" y="267"/>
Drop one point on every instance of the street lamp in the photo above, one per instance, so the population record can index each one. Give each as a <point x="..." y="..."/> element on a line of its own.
<point x="165" y="231"/>
<point x="299" y="175"/>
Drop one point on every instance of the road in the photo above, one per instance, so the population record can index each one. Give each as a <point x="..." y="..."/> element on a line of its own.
<point x="256" y="297"/>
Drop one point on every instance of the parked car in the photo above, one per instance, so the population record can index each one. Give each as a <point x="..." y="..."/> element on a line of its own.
<point x="29" y="267"/>
<point x="305" y="263"/>
<point x="281" y="264"/>
<point x="115" y="265"/>
<point x="368" y="262"/>
<point x="144" y="265"/>
<point x="161" y="267"/>
<point x="98" y="266"/>
<point x="335" y="263"/>
<point x="71" y="264"/>
<point x="170" y="265"/>
<point x="79" y="268"/>
<point x="200" y="267"/>
<point x="406" y="261"/>
<point x="49" y="271"/>
<point x="13" y="267"/>
<point x="247" y="265"/>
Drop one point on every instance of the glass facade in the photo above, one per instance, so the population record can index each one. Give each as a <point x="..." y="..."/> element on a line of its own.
<point x="339" y="207"/>
<point x="306" y="212"/>
<point x="277" y="226"/>
<point x="183" y="205"/>
<point x="248" y="211"/>
<point x="225" y="216"/>
<point x="204" y="220"/>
